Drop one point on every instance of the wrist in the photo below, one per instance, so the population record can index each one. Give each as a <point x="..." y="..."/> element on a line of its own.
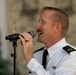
<point x="28" y="59"/>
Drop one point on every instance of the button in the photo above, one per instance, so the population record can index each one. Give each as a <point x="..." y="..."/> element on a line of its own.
<point x="54" y="67"/>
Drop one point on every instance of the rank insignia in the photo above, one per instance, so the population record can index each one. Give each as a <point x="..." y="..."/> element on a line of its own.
<point x="69" y="49"/>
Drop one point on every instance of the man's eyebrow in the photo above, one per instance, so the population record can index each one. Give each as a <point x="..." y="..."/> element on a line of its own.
<point x="41" y="20"/>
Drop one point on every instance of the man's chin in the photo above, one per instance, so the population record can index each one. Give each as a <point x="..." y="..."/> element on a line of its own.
<point x="39" y="40"/>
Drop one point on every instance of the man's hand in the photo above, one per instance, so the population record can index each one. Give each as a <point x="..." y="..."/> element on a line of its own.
<point x="27" y="44"/>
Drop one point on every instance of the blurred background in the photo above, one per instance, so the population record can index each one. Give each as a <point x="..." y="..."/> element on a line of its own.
<point x="18" y="16"/>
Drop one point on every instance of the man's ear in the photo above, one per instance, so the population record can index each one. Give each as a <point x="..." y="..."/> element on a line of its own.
<point x="57" y="27"/>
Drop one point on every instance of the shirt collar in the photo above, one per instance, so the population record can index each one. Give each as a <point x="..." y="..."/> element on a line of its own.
<point x="53" y="49"/>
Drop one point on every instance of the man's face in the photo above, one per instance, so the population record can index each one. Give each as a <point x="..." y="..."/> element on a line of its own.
<point x="45" y="27"/>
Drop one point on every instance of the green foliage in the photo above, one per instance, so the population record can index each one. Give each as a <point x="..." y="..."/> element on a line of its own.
<point x="4" y="68"/>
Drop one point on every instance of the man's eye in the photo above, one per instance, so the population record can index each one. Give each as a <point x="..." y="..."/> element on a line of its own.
<point x="43" y="22"/>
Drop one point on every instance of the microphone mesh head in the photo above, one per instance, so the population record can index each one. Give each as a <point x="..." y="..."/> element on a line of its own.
<point x="32" y="33"/>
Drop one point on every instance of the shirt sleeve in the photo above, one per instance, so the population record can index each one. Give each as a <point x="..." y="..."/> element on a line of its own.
<point x="35" y="67"/>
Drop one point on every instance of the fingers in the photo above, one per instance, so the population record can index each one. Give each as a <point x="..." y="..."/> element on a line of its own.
<point x="22" y="40"/>
<point x="25" y="38"/>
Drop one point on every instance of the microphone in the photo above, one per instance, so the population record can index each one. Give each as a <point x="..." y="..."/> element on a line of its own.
<point x="16" y="36"/>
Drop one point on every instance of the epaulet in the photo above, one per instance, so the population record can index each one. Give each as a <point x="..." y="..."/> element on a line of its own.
<point x="68" y="49"/>
<point x="39" y="49"/>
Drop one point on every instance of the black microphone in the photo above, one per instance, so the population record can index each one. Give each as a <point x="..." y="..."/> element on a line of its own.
<point x="16" y="36"/>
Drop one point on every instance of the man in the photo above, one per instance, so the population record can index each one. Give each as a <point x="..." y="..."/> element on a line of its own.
<point x="61" y="57"/>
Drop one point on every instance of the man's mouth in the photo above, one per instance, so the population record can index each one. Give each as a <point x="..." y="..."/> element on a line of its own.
<point x="39" y="32"/>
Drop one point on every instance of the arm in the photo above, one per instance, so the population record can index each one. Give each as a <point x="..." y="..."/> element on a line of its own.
<point x="36" y="68"/>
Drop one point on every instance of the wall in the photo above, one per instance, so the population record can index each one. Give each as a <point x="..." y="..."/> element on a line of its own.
<point x="23" y="17"/>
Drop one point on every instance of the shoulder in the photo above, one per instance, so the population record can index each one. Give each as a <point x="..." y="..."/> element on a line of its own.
<point x="71" y="57"/>
<point x="41" y="49"/>
<point x="69" y="49"/>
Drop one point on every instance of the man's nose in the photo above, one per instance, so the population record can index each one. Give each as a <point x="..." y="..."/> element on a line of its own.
<point x="38" y="26"/>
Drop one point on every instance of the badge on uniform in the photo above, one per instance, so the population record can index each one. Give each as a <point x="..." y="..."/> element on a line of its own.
<point x="68" y="49"/>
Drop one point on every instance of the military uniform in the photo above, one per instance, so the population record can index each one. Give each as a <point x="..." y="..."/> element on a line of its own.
<point x="61" y="60"/>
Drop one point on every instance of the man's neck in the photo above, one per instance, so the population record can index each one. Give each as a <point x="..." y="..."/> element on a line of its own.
<point x="51" y="43"/>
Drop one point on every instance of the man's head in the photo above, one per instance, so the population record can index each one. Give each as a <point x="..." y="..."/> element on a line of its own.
<point x="60" y="16"/>
<point x="53" y="23"/>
